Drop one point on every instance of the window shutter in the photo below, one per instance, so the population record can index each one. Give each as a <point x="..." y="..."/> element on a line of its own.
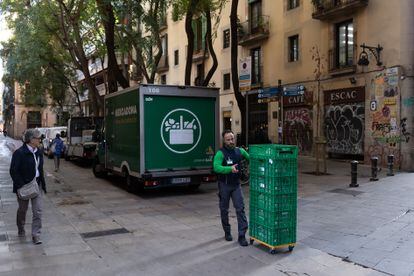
<point x="194" y="27"/>
<point x="203" y="31"/>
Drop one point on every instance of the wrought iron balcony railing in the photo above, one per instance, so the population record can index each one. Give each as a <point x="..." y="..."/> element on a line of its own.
<point x="253" y="30"/>
<point x="163" y="64"/>
<point x="328" y="9"/>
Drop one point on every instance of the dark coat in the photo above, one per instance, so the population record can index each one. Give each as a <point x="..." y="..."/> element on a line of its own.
<point x="22" y="168"/>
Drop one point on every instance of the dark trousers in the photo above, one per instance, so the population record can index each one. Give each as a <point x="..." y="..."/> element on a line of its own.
<point x="36" y="214"/>
<point x="234" y="192"/>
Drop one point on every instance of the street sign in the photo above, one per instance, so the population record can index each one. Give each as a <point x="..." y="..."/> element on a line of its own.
<point x="293" y="90"/>
<point x="245" y="67"/>
<point x="268" y="92"/>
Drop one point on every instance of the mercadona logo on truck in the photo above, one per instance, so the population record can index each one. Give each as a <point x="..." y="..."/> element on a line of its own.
<point x="180" y="130"/>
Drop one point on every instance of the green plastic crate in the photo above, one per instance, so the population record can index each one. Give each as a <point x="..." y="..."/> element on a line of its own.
<point x="274" y="151"/>
<point x="284" y="202"/>
<point x="271" y="236"/>
<point x="268" y="167"/>
<point x="279" y="219"/>
<point x="274" y="185"/>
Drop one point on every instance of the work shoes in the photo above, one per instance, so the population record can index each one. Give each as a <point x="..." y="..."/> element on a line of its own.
<point x="37" y="240"/>
<point x="228" y="237"/>
<point x="21" y="233"/>
<point x="242" y="241"/>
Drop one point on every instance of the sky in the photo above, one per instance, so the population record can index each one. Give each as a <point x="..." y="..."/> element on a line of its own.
<point x="4" y="36"/>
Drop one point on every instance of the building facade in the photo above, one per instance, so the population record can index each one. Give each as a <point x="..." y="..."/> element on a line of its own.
<point x="26" y="116"/>
<point x="356" y="100"/>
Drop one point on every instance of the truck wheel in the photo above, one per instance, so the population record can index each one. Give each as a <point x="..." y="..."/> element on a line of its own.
<point x="97" y="173"/>
<point x="130" y="182"/>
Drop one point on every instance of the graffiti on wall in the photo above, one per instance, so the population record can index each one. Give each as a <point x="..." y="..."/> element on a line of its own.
<point x="387" y="128"/>
<point x="382" y="152"/>
<point x="298" y="128"/>
<point x="404" y="132"/>
<point x="344" y="128"/>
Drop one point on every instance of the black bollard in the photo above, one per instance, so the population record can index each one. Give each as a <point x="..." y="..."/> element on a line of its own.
<point x="390" y="165"/>
<point x="374" y="169"/>
<point x="354" y="174"/>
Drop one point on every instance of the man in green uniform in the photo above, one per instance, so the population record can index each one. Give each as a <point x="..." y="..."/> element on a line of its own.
<point x="226" y="165"/>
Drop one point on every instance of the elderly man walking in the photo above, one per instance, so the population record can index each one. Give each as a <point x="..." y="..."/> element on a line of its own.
<point x="26" y="164"/>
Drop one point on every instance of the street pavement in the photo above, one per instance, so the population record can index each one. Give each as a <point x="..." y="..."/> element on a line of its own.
<point x="94" y="227"/>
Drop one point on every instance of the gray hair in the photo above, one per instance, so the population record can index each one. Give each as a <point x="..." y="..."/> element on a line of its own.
<point x="31" y="133"/>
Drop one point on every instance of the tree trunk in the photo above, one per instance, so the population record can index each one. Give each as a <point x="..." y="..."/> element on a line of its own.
<point x="209" y="41"/>
<point x="241" y="100"/>
<point x="190" y="37"/>
<point x="74" y="45"/>
<point x="114" y="73"/>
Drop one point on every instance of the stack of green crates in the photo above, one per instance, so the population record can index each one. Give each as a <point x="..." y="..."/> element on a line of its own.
<point x="273" y="194"/>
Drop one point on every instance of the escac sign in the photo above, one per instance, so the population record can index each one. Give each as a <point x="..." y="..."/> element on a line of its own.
<point x="344" y="96"/>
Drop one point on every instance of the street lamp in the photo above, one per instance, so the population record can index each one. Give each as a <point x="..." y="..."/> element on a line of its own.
<point x="363" y="57"/>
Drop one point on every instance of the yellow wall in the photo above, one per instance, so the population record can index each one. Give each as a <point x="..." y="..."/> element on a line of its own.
<point x="384" y="22"/>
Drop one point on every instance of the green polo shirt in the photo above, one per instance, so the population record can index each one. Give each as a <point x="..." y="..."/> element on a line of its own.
<point x="218" y="162"/>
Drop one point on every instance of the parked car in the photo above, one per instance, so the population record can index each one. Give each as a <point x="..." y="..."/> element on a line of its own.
<point x="50" y="135"/>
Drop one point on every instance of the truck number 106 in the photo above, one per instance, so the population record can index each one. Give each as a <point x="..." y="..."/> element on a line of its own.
<point x="154" y="90"/>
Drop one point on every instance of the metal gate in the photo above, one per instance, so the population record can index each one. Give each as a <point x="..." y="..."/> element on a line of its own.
<point x="344" y="121"/>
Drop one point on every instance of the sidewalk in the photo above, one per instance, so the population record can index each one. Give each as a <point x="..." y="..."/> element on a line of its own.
<point x="179" y="233"/>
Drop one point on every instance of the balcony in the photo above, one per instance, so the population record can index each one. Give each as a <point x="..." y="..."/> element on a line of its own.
<point x="330" y="9"/>
<point x="252" y="31"/>
<point x="163" y="64"/>
<point x="336" y="69"/>
<point x="199" y="55"/>
<point x="163" y="23"/>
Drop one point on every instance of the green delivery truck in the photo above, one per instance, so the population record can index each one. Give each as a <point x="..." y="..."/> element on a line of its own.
<point x="159" y="135"/>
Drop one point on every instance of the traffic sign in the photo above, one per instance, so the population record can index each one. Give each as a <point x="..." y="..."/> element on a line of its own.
<point x="268" y="92"/>
<point x="293" y="90"/>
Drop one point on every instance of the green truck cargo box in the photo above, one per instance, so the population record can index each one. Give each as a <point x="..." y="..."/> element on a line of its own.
<point x="160" y="135"/>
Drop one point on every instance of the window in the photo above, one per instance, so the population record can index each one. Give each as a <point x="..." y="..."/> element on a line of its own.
<point x="293" y="4"/>
<point x="176" y="56"/>
<point x="344" y="44"/>
<point x="164" y="79"/>
<point x="200" y="75"/>
<point x="294" y="48"/>
<point x="164" y="45"/>
<point x="34" y="119"/>
<point x="256" y="61"/>
<point x="255" y="15"/>
<point x="226" y="38"/>
<point x="163" y="17"/>
<point x="199" y="26"/>
<point x="226" y="81"/>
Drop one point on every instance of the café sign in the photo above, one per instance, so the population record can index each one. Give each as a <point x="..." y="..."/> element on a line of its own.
<point x="299" y="100"/>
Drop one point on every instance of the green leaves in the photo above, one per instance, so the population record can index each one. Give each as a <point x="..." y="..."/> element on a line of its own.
<point x="33" y="58"/>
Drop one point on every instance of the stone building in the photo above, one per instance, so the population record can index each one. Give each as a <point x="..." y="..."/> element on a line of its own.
<point x="26" y="116"/>
<point x="357" y="99"/>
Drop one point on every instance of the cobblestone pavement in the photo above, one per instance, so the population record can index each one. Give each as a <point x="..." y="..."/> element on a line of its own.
<point x="94" y="227"/>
